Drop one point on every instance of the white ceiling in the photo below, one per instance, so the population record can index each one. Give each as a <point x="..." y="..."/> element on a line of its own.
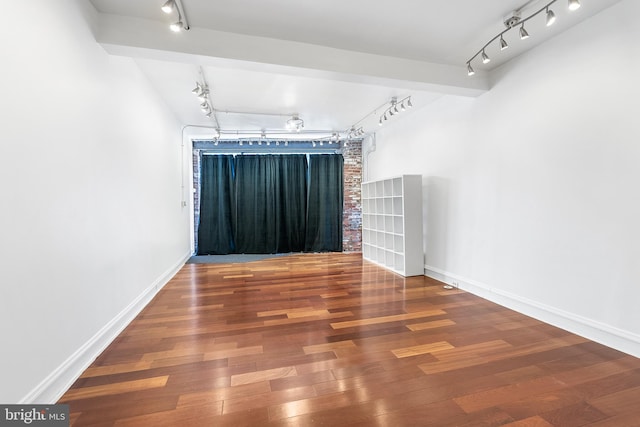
<point x="334" y="62"/>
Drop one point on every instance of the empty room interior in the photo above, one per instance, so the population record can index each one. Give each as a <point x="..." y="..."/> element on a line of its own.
<point x="338" y="213"/>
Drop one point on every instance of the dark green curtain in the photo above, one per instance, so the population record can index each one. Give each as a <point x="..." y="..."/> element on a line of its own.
<point x="256" y="182"/>
<point x="270" y="203"/>
<point x="325" y="203"/>
<point x="293" y="203"/>
<point x="215" y="230"/>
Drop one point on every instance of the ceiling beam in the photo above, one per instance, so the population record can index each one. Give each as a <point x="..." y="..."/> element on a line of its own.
<point x="134" y="37"/>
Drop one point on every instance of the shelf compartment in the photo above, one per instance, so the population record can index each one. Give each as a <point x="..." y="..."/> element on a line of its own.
<point x="397" y="187"/>
<point x="398" y="225"/>
<point x="397" y="206"/>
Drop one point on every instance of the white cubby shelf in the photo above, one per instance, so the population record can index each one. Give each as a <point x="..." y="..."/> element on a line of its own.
<point x="392" y="224"/>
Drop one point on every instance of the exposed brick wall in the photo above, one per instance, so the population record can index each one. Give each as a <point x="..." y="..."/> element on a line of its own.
<point x="352" y="216"/>
<point x="196" y="196"/>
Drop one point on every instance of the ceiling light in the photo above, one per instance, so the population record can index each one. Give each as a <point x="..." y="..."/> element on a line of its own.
<point x="176" y="27"/>
<point x="171" y="6"/>
<point x="470" y="70"/>
<point x="354" y="133"/>
<point x="551" y="17"/>
<point x="201" y="91"/>
<point x="390" y="111"/>
<point x="485" y="58"/>
<point x="511" y="22"/>
<point x="503" y="43"/>
<point x="295" y="123"/>
<point x="168" y="6"/>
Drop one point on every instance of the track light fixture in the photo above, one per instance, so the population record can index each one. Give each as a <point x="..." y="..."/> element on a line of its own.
<point x="511" y="22"/>
<point x="168" y="6"/>
<point x="201" y="91"/>
<point x="355" y="132"/>
<point x="176" y="27"/>
<point x="551" y="17"/>
<point x="174" y="5"/>
<point x="470" y="70"/>
<point x="485" y="58"/>
<point x="396" y="107"/>
<point x="295" y="123"/>
<point x="503" y="43"/>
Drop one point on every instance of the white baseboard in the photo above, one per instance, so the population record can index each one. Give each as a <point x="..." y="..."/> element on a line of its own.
<point x="619" y="339"/>
<point x="59" y="381"/>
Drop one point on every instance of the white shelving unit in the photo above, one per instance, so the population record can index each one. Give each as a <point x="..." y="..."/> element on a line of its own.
<point x="392" y="224"/>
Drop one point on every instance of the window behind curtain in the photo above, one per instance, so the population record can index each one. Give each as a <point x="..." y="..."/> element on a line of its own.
<point x="275" y="204"/>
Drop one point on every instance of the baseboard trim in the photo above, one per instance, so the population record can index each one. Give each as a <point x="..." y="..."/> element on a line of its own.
<point x="59" y="381"/>
<point x="619" y="339"/>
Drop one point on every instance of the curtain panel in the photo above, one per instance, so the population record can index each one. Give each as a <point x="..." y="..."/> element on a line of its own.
<point x="257" y="204"/>
<point x="325" y="203"/>
<point x="215" y="232"/>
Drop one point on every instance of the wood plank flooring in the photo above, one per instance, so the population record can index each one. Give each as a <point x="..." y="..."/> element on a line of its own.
<point x="331" y="340"/>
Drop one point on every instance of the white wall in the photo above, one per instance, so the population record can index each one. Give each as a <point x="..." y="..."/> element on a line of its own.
<point x="531" y="190"/>
<point x="90" y="180"/>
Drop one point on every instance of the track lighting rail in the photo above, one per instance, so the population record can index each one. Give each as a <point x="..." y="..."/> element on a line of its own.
<point x="392" y="110"/>
<point x="513" y="22"/>
<point x="176" y="5"/>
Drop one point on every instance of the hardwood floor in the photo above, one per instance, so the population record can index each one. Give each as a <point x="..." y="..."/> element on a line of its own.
<point x="330" y="340"/>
